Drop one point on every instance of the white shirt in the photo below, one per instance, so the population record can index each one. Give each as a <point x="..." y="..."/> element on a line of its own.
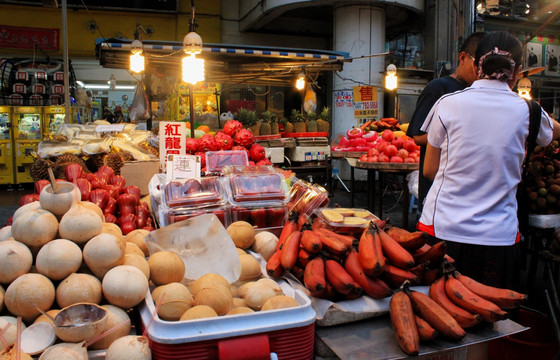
<point x="481" y="132"/>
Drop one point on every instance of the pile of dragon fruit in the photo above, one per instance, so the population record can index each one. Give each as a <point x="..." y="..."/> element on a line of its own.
<point x="232" y="137"/>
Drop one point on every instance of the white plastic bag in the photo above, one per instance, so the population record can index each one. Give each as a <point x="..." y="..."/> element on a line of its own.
<point x="412" y="179"/>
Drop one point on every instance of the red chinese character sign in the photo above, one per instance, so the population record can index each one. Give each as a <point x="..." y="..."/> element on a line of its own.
<point x="365" y="102"/>
<point x="172" y="140"/>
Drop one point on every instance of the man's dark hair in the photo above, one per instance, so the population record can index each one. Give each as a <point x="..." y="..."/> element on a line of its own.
<point x="471" y="43"/>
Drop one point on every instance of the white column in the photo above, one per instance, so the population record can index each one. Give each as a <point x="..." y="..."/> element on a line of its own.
<point x="358" y="30"/>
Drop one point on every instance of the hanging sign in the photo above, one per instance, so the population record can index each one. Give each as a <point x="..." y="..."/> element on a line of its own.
<point x="343" y="99"/>
<point x="183" y="166"/>
<point x="365" y="102"/>
<point x="172" y="140"/>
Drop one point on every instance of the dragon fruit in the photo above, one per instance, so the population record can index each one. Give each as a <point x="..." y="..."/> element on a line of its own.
<point x="257" y="153"/>
<point x="244" y="138"/>
<point x="264" y="161"/>
<point x="191" y="145"/>
<point x="202" y="159"/>
<point x="225" y="142"/>
<point x="207" y="143"/>
<point x="232" y="126"/>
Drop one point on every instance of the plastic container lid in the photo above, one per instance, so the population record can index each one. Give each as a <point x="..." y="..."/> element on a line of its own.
<point x="252" y="187"/>
<point x="249" y="169"/>
<point x="217" y="160"/>
<point x="346" y="219"/>
<point x="205" y="191"/>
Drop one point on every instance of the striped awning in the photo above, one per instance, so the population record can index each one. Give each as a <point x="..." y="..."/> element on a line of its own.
<point x="228" y="63"/>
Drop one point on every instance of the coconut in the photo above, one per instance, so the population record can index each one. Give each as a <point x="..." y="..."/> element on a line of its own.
<point x="28" y="294"/>
<point x="37" y="337"/>
<point x="115" y="317"/>
<point x="6" y="233"/>
<point x="265" y="244"/>
<point x="65" y="351"/>
<point x="218" y="298"/>
<point x="44" y="318"/>
<point x="35" y="227"/>
<point x="240" y="252"/>
<point x="138" y="262"/>
<point x="132" y="248"/>
<point x="8" y="324"/>
<point x="58" y="259"/>
<point x="129" y="347"/>
<point x="113" y="229"/>
<point x="173" y="300"/>
<point x="16" y="260"/>
<point x="239" y="302"/>
<point x="208" y="280"/>
<point x="199" y="312"/>
<point x="272" y="284"/>
<point x="124" y="286"/>
<point x="279" y="302"/>
<point x="80" y="322"/>
<point x="166" y="267"/>
<point x="137" y="237"/>
<point x="250" y="268"/>
<point x="80" y="224"/>
<point x="240" y="310"/>
<point x="95" y="208"/>
<point x="103" y="252"/>
<point x="1" y="298"/>
<point x="78" y="288"/>
<point x="25" y="208"/>
<point x="59" y="203"/>
<point x="257" y="294"/>
<point x="242" y="233"/>
<point x="11" y="353"/>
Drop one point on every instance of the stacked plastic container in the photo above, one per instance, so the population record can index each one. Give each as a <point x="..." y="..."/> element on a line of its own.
<point x="258" y="195"/>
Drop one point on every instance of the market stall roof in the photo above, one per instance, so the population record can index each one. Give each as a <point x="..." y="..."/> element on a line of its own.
<point x="227" y="63"/>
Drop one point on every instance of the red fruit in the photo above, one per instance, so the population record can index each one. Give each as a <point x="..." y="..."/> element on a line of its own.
<point x="240" y="213"/>
<point x="417" y="159"/>
<point x="257" y="153"/>
<point x="110" y="218"/>
<point x="103" y="178"/>
<point x="382" y="158"/>
<point x="244" y="138"/>
<point x="202" y="159"/>
<point x="134" y="190"/>
<point x="264" y="162"/>
<point x="112" y="190"/>
<point x="85" y="188"/>
<point x="396" y="159"/>
<point x="413" y="155"/>
<point x="207" y="143"/>
<point x="370" y="136"/>
<point x="381" y="144"/>
<point x="106" y="170"/>
<point x="40" y="185"/>
<point x="275" y="216"/>
<point x="232" y="126"/>
<point x="354" y="133"/>
<point x="142" y="215"/>
<point x="390" y="150"/>
<point x="127" y="223"/>
<point x="99" y="197"/>
<point x="127" y="204"/>
<point x="225" y="142"/>
<point x="358" y="142"/>
<point x="191" y="145"/>
<point x="111" y="206"/>
<point x="119" y="182"/>
<point x="409" y="145"/>
<point x="252" y="163"/>
<point x="398" y="142"/>
<point x="344" y="142"/>
<point x="363" y="157"/>
<point x="373" y="152"/>
<point x="26" y="199"/>
<point x="374" y="158"/>
<point x="409" y="160"/>
<point x="73" y="171"/>
<point x="258" y="218"/>
<point x="402" y="153"/>
<point x="387" y="135"/>
<point x="94" y="180"/>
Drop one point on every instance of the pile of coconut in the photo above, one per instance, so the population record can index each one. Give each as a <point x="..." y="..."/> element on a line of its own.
<point x="67" y="277"/>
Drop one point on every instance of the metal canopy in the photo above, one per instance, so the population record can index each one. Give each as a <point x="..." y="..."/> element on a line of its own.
<point x="227" y="63"/>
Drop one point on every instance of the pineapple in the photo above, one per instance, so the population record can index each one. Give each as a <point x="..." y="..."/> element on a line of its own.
<point x="274" y="125"/>
<point x="323" y="121"/>
<point x="249" y="120"/>
<point x="298" y="121"/>
<point x="265" y="128"/>
<point x="288" y="126"/>
<point x="311" y="124"/>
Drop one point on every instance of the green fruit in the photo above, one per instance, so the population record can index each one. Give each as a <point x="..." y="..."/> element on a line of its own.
<point x="549" y="169"/>
<point x="551" y="199"/>
<point x="555" y="143"/>
<point x="542" y="192"/>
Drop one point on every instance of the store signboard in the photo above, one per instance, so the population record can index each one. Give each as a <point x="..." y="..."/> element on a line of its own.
<point x="18" y="37"/>
<point x="172" y="140"/>
<point x="542" y="51"/>
<point x="343" y="99"/>
<point x="183" y="166"/>
<point x="365" y="102"/>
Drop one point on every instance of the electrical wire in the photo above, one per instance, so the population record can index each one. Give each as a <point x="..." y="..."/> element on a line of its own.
<point x="89" y="14"/>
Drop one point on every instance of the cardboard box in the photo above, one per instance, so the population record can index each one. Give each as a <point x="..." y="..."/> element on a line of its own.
<point x="276" y="154"/>
<point x="309" y="153"/>
<point x="139" y="173"/>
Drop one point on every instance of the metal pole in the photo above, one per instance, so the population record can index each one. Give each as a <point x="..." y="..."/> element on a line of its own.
<point x="65" y="65"/>
<point x="191" y="109"/>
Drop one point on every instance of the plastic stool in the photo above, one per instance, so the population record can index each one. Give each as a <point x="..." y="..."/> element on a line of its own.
<point x="413" y="204"/>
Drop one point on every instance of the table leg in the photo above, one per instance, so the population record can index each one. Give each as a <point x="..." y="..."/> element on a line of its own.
<point x="351" y="186"/>
<point x="381" y="195"/>
<point x="371" y="190"/>
<point x="406" y="201"/>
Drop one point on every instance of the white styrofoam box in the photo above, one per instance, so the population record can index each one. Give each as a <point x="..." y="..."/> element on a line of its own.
<point x="309" y="153"/>
<point x="276" y="154"/>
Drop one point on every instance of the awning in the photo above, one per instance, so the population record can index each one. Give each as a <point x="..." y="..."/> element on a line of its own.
<point x="227" y="63"/>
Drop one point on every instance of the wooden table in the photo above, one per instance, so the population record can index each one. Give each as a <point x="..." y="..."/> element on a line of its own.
<point x="351" y="157"/>
<point x="389" y="168"/>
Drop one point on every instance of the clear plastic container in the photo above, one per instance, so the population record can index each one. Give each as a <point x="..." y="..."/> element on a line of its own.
<point x="199" y="192"/>
<point x="260" y="215"/>
<point x="351" y="220"/>
<point x="217" y="160"/>
<point x="249" y="169"/>
<point x="171" y="216"/>
<point x="306" y="197"/>
<point x="251" y="187"/>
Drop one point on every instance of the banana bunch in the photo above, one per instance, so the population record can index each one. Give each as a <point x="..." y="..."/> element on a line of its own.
<point x="338" y="266"/>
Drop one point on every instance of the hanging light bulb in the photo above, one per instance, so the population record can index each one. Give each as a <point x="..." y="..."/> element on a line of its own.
<point x="524" y="88"/>
<point x="391" y="77"/>
<point x="300" y="82"/>
<point x="193" y="68"/>
<point x="136" y="58"/>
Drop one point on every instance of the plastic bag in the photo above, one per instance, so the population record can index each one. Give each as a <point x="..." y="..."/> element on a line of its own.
<point x="140" y="108"/>
<point x="97" y="146"/>
<point x="412" y="179"/>
<point x="48" y="149"/>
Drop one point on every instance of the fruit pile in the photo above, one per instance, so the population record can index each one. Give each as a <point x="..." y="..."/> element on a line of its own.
<point x="232" y="137"/>
<point x="543" y="179"/>
<point x="390" y="148"/>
